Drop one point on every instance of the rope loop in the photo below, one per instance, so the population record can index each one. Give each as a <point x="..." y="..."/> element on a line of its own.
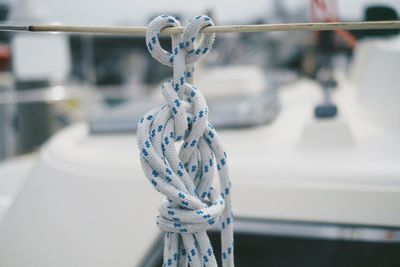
<point x="152" y="38"/>
<point x="186" y="178"/>
<point x="190" y="35"/>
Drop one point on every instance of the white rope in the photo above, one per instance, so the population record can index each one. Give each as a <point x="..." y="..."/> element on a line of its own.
<point x="192" y="205"/>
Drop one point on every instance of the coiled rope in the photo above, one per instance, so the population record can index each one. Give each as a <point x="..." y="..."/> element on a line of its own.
<point x="192" y="205"/>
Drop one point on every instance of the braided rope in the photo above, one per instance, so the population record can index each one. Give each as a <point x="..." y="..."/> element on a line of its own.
<point x="192" y="205"/>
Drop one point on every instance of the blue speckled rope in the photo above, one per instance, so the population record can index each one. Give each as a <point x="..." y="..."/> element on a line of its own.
<point x="192" y="205"/>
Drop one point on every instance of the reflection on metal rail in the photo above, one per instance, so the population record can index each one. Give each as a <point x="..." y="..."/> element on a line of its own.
<point x="318" y="230"/>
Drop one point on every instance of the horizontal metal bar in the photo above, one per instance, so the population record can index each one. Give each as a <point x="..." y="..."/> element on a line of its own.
<point x="328" y="26"/>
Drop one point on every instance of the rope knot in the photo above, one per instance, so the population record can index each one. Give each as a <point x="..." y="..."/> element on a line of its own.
<point x="178" y="92"/>
<point x="192" y="205"/>
<point x="174" y="217"/>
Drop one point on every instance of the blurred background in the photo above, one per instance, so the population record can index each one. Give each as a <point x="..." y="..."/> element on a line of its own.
<point x="44" y="76"/>
<point x="325" y="104"/>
